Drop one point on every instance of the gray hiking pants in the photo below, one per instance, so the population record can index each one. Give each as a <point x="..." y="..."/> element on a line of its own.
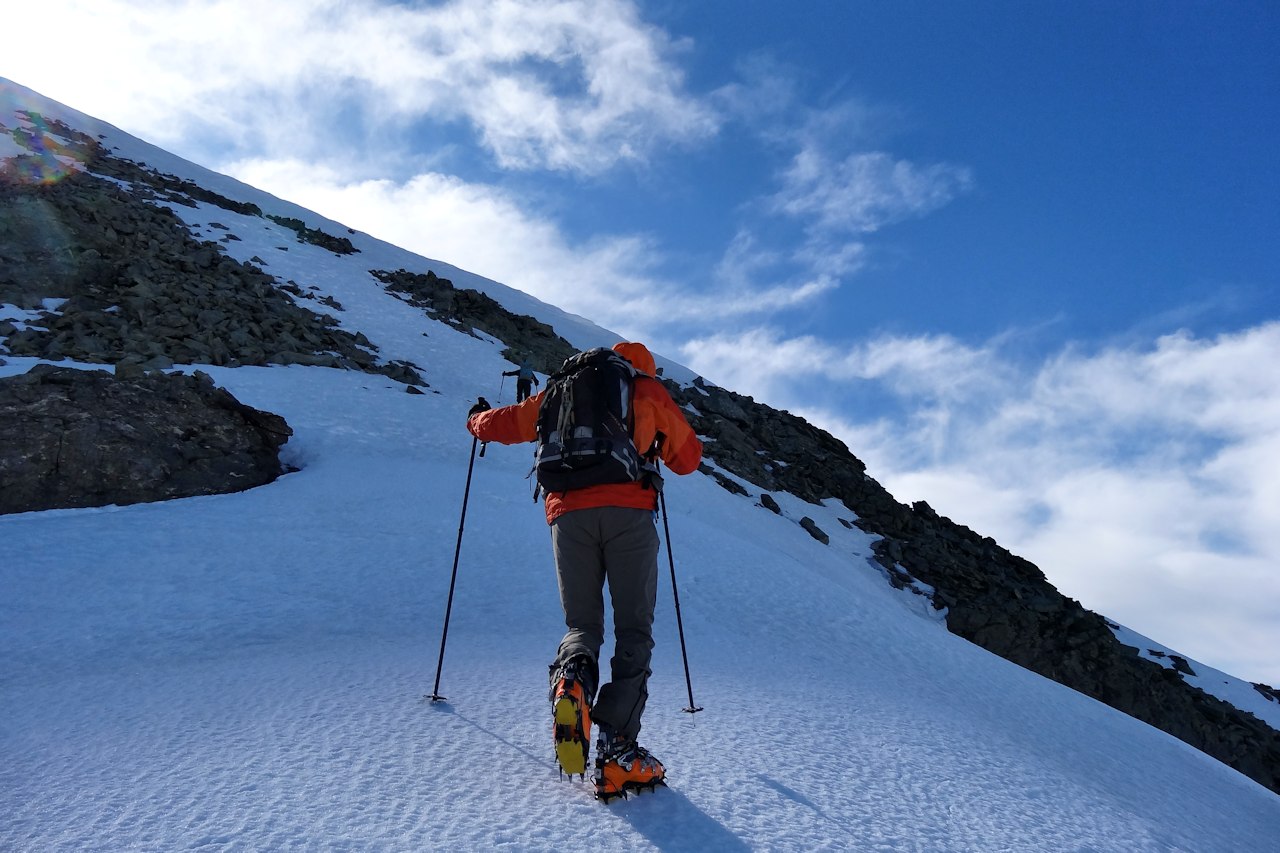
<point x="619" y="545"/>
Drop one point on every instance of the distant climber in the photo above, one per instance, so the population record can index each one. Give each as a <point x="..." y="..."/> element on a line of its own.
<point x="525" y="379"/>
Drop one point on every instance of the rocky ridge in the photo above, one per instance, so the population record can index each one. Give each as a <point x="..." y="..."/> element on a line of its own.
<point x="135" y="287"/>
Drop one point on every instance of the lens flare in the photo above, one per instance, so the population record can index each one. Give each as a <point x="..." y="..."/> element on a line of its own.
<point x="38" y="150"/>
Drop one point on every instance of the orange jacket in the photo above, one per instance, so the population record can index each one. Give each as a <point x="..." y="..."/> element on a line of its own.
<point x="655" y="412"/>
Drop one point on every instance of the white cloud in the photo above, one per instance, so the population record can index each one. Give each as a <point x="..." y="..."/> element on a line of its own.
<point x="572" y="85"/>
<point x="1142" y="480"/>
<point x="864" y="191"/>
<point x="932" y="367"/>
<point x="833" y="186"/>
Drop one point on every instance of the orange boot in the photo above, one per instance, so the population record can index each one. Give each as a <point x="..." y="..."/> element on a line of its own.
<point x="622" y="766"/>
<point x="572" y="714"/>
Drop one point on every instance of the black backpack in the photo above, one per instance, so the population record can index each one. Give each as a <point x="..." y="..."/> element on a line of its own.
<point x="585" y="423"/>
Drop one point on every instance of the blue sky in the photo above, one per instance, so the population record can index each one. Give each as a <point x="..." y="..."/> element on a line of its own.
<point x="1021" y="257"/>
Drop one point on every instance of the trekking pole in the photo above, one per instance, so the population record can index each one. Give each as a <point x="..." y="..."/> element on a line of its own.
<point x="662" y="502"/>
<point x="466" y="494"/>
<point x="502" y="385"/>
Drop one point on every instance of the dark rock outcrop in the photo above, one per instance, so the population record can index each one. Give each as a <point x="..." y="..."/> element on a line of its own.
<point x="314" y="236"/>
<point x="726" y="483"/>
<point x="773" y="449"/>
<point x="76" y="438"/>
<point x="811" y="527"/>
<point x="138" y="286"/>
<point x="470" y="311"/>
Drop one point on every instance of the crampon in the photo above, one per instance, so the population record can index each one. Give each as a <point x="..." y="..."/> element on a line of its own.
<point x="624" y="768"/>
<point x="572" y="724"/>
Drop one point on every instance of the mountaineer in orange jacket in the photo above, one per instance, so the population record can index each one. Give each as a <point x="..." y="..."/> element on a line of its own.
<point x="606" y="533"/>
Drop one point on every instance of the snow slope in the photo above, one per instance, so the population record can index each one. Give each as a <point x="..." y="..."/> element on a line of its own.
<point x="247" y="672"/>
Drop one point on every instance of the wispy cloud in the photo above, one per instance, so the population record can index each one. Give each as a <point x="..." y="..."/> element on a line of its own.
<point x="864" y="191"/>
<point x="933" y="367"/>
<point x="840" y="200"/>
<point x="1141" y="479"/>
<point x="831" y="181"/>
<point x="570" y="85"/>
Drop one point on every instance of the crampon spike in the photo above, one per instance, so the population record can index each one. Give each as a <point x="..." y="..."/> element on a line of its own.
<point x="628" y="789"/>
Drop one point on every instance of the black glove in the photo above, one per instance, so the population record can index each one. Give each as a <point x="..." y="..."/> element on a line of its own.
<point x="482" y="405"/>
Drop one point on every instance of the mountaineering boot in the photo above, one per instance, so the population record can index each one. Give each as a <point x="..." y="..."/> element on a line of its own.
<point x="571" y="710"/>
<point x="623" y="765"/>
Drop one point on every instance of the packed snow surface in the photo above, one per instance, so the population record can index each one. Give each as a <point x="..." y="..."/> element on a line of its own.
<point x="250" y="671"/>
